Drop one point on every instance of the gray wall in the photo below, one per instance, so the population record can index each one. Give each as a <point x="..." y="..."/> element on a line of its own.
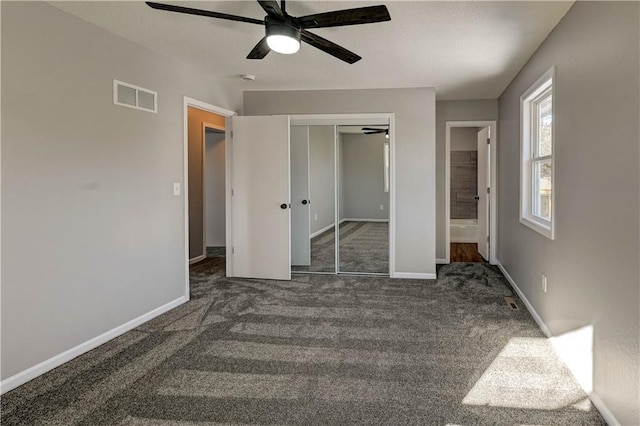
<point x="322" y="176"/>
<point x="363" y="177"/>
<point x="592" y="265"/>
<point x="464" y="110"/>
<point x="87" y="186"/>
<point x="215" y="189"/>
<point x="464" y="139"/>
<point x="414" y="110"/>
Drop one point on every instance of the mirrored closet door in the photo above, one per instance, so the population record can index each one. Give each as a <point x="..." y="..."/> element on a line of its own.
<point x="363" y="193"/>
<point x="313" y="199"/>
<point x="340" y="175"/>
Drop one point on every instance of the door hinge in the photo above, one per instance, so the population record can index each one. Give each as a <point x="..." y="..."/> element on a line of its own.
<point x="488" y="190"/>
<point x="488" y="238"/>
<point x="233" y="250"/>
<point x="488" y="141"/>
<point x="232" y="192"/>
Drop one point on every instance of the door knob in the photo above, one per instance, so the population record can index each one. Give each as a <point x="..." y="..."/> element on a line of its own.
<point x="283" y="206"/>
<point x="305" y="202"/>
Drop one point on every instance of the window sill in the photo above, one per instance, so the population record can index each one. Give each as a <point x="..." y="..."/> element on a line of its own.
<point x="545" y="229"/>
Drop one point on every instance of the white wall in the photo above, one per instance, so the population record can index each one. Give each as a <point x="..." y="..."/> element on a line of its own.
<point x="592" y="265"/>
<point x="463" y="110"/>
<point x="93" y="235"/>
<point x="414" y="110"/>
<point x="215" y="189"/>
<point x="322" y="177"/>
<point x="362" y="183"/>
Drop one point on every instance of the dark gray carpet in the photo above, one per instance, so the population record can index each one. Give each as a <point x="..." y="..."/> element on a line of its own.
<point x="364" y="248"/>
<point x="321" y="350"/>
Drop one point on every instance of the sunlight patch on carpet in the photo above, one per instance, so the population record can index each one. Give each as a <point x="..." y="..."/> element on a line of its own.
<point x="526" y="374"/>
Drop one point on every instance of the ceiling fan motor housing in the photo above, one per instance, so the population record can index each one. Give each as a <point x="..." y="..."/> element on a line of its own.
<point x="286" y="27"/>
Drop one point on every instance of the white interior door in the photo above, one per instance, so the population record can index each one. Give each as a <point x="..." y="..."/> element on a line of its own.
<point x="300" y="211"/>
<point x="260" y="212"/>
<point x="483" y="201"/>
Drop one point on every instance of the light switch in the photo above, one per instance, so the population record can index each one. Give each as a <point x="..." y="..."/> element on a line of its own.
<point x="176" y="189"/>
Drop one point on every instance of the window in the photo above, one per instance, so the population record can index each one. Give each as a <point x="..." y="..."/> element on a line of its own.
<point x="536" y="164"/>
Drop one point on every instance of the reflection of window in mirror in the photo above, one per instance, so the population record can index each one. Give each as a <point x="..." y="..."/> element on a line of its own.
<point x="386" y="166"/>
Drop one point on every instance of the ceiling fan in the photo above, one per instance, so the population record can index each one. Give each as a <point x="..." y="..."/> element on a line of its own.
<point x="284" y="32"/>
<point x="373" y="131"/>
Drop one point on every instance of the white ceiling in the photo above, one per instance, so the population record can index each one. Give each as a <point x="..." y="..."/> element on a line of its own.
<point x="466" y="50"/>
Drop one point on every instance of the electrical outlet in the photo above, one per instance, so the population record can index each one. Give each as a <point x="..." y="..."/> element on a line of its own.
<point x="381" y="206"/>
<point x="544" y="283"/>
<point x="315" y="216"/>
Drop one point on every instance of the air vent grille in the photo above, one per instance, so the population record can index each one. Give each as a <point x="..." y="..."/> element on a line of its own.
<point x="511" y="302"/>
<point x="131" y="96"/>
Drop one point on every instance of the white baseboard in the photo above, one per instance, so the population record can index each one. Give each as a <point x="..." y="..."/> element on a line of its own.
<point x="593" y="396"/>
<point x="529" y="306"/>
<point x="413" y="276"/>
<point x="320" y="231"/>
<point x="197" y="259"/>
<point x="604" y="410"/>
<point x="66" y="356"/>
<point x="352" y="219"/>
<point x="442" y="261"/>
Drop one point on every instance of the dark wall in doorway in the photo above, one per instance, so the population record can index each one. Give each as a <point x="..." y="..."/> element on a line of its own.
<point x="464" y="184"/>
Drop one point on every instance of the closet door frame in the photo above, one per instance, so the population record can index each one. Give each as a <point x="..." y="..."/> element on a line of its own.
<point x="377" y="119"/>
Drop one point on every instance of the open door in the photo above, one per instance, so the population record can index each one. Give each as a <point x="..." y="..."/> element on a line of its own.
<point x="260" y="218"/>
<point x="483" y="195"/>
<point x="300" y="211"/>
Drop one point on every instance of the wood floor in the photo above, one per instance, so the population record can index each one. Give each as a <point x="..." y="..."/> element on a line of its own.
<point x="465" y="253"/>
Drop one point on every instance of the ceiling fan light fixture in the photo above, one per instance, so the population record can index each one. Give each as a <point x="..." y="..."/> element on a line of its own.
<point x="283" y="44"/>
<point x="283" y="38"/>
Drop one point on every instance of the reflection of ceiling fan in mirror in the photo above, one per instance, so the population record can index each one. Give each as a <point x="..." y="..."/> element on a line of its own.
<point x="373" y="131"/>
<point x="285" y="32"/>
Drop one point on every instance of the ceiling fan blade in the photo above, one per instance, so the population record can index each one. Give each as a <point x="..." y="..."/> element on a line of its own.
<point x="339" y="18"/>
<point x="272" y="8"/>
<point x="199" y="12"/>
<point x="260" y="50"/>
<point x="329" y="47"/>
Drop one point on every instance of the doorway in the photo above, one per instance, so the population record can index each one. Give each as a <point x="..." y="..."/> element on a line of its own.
<point x="201" y="125"/>
<point x="206" y="180"/>
<point x="470" y="196"/>
<point x="214" y="189"/>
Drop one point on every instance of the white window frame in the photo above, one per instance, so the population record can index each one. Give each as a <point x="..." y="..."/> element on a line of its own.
<point x="385" y="165"/>
<point x="544" y="86"/>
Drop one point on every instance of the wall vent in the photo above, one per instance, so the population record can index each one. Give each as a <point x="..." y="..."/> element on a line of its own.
<point x="131" y="96"/>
